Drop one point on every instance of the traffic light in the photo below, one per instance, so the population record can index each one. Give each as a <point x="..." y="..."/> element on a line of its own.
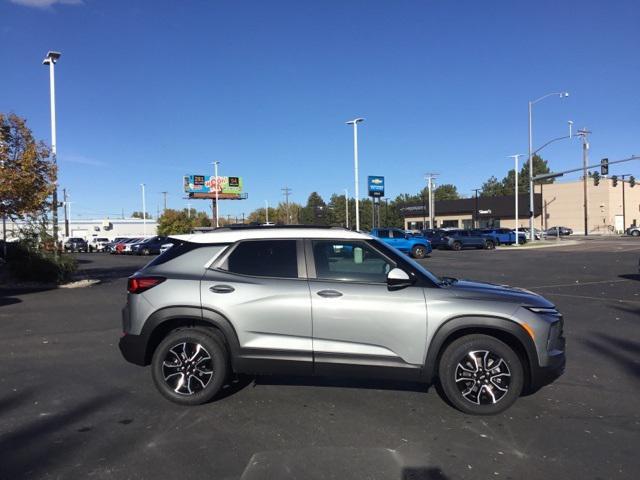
<point x="596" y="178"/>
<point x="604" y="166"/>
<point x="614" y="180"/>
<point x="632" y="181"/>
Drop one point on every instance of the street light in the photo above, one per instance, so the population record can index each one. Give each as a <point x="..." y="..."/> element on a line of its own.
<point x="531" y="104"/>
<point x="215" y="172"/>
<point x="51" y="59"/>
<point x="346" y="208"/>
<point x="515" y="161"/>
<point x="355" y="123"/>
<point x="144" y="211"/>
<point x="266" y="211"/>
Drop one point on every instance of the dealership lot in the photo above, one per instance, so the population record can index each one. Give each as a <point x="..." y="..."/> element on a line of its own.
<point x="71" y="407"/>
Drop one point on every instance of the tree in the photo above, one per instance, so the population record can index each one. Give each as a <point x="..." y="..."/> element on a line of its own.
<point x="492" y="188"/>
<point x="27" y="177"/>
<point x="447" y="191"/>
<point x="174" y="222"/>
<point x="136" y="214"/>
<point x="315" y="212"/>
<point x="506" y="186"/>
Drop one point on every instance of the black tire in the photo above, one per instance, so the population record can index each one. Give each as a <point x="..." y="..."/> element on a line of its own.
<point x="635" y="233"/>
<point x="489" y="245"/>
<point x="418" y="251"/>
<point x="456" y="363"/>
<point x="146" y="252"/>
<point x="457" y="246"/>
<point x="202" y="387"/>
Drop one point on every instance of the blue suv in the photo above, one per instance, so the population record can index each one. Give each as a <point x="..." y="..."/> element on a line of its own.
<point x="417" y="247"/>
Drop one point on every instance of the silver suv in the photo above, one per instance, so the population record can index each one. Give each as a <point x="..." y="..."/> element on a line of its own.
<point x="327" y="301"/>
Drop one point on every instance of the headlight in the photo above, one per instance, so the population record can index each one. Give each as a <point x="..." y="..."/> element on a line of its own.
<point x="545" y="311"/>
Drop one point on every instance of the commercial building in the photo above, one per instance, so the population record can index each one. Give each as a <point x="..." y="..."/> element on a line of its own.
<point x="109" y="228"/>
<point x="555" y="204"/>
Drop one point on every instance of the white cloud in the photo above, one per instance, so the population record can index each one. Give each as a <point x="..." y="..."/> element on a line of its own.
<point x="46" y="3"/>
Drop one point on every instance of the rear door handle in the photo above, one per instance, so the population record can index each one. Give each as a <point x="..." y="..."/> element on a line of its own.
<point x="221" y="289"/>
<point x="329" y="293"/>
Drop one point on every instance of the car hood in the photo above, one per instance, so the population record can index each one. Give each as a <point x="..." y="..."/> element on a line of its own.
<point x="490" y="291"/>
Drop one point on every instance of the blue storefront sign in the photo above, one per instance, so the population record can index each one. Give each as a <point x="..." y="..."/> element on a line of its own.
<point x="376" y="186"/>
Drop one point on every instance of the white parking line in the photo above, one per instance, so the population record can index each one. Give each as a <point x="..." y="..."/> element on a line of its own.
<point x="579" y="284"/>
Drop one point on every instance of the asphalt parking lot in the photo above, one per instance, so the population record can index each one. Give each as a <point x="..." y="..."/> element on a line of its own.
<point x="71" y="407"/>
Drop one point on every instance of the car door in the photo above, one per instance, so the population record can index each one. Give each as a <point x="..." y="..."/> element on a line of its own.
<point x="260" y="286"/>
<point x="400" y="240"/>
<point x="359" y="325"/>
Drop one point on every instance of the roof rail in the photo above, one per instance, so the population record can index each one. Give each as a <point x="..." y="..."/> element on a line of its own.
<point x="256" y="226"/>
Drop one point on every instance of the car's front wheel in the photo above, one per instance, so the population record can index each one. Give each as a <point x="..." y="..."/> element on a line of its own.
<point x="456" y="246"/>
<point x="189" y="366"/>
<point x="489" y="245"/>
<point x="480" y="375"/>
<point x="635" y="233"/>
<point x="418" y="251"/>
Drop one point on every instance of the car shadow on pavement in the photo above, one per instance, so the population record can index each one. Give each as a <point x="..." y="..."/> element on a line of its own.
<point x="7" y="300"/>
<point x="622" y="351"/>
<point x="47" y="439"/>
<point x="630" y="276"/>
<point x="344" y="382"/>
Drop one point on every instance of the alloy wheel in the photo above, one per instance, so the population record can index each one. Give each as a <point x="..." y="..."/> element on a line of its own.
<point x="483" y="377"/>
<point x="187" y="368"/>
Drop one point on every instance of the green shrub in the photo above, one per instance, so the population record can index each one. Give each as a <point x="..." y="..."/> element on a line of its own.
<point x="30" y="265"/>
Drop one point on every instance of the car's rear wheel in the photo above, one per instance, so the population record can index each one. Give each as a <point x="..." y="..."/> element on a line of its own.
<point x="189" y="367"/>
<point x="146" y="251"/>
<point x="418" y="251"/>
<point x="480" y="375"/>
<point x="456" y="246"/>
<point x="489" y="245"/>
<point x="635" y="233"/>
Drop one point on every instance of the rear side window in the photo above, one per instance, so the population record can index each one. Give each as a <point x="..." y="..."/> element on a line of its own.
<point x="265" y="258"/>
<point x="383" y="233"/>
<point x="179" y="248"/>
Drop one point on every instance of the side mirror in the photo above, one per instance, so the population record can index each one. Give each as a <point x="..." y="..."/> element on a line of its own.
<point x="397" y="279"/>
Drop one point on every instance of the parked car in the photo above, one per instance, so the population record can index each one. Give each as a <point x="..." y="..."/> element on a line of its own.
<point x="501" y="236"/>
<point x="98" y="244"/>
<point x="459" y="239"/>
<point x="110" y="247"/>
<point x="127" y="248"/>
<point x="537" y="234"/>
<point x="633" y="230"/>
<point x="558" y="231"/>
<point x="120" y="246"/>
<point x="205" y="311"/>
<point x="416" y="246"/>
<point x="76" y="244"/>
<point x="149" y="246"/>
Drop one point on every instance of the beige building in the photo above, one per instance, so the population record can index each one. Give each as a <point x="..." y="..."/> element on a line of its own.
<point x="556" y="204"/>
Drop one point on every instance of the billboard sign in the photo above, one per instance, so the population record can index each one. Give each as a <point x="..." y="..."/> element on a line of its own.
<point x="208" y="184"/>
<point x="376" y="186"/>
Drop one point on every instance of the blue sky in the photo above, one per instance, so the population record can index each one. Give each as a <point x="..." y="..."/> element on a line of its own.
<point x="150" y="90"/>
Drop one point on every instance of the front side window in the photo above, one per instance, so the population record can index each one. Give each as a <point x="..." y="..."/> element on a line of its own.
<point x="383" y="233"/>
<point x="349" y="261"/>
<point x="265" y="258"/>
<point x="398" y="234"/>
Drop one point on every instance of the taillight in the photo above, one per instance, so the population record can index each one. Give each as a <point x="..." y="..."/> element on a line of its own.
<point x="140" y="284"/>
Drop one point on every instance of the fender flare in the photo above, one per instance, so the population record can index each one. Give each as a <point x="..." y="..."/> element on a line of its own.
<point x="162" y="319"/>
<point x="478" y="324"/>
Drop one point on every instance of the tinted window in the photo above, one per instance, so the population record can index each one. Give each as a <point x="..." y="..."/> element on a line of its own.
<point x="383" y="234"/>
<point x="398" y="233"/>
<point x="349" y="261"/>
<point x="265" y="258"/>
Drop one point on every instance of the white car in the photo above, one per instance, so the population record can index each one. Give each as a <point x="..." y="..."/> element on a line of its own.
<point x="98" y="244"/>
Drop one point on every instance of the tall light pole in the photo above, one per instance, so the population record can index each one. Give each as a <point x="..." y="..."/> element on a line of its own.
<point x="215" y="173"/>
<point x="429" y="177"/>
<point x="266" y="211"/>
<point x="355" y="123"/>
<point x="346" y="208"/>
<point x="584" y="133"/>
<point x="144" y="211"/>
<point x="515" y="161"/>
<point x="531" y="104"/>
<point x="51" y="59"/>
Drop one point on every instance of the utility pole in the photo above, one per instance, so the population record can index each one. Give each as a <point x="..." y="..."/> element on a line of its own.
<point x="624" y="209"/>
<point x="215" y="172"/>
<point x="475" y="211"/>
<point x="66" y="218"/>
<point x="355" y="169"/>
<point x="430" y="184"/>
<point x="286" y="191"/>
<point x="515" y="168"/>
<point x="144" y="211"/>
<point x="266" y="211"/>
<point x="188" y="210"/>
<point x="585" y="161"/>
<point x="51" y="59"/>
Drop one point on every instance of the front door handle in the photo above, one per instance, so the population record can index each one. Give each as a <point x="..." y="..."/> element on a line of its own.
<point x="221" y="289"/>
<point x="329" y="293"/>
